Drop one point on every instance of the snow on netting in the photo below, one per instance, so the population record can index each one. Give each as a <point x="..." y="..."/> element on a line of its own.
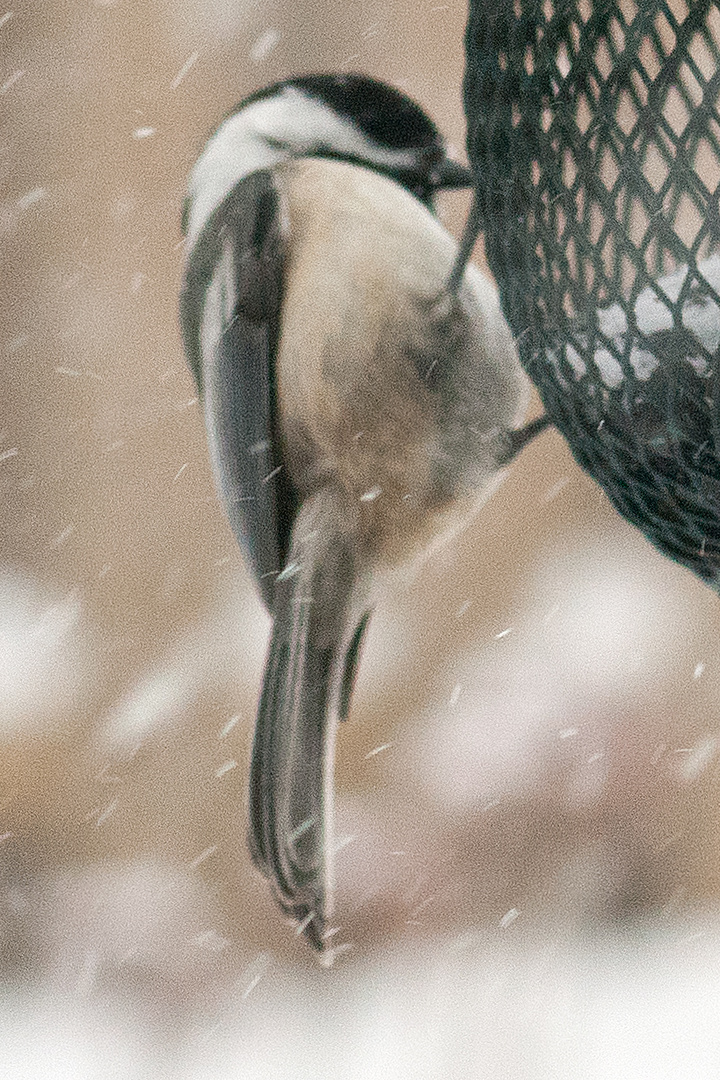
<point x="594" y="134"/>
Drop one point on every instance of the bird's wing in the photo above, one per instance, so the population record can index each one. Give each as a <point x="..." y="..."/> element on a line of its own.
<point x="230" y="314"/>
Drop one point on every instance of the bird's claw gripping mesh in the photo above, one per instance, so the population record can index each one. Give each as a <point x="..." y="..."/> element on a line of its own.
<point x="594" y="135"/>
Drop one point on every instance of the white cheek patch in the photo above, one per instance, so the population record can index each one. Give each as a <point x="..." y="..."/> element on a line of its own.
<point x="232" y="153"/>
<point x="262" y="135"/>
<point x="304" y="124"/>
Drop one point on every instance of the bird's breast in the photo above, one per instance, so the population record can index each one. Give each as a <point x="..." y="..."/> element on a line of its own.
<point x="385" y="387"/>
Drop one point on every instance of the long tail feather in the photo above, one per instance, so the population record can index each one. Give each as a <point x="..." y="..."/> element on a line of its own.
<point x="307" y="668"/>
<point x="352" y="658"/>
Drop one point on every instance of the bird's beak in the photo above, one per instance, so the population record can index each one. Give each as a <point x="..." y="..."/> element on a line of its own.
<point x="451" y="174"/>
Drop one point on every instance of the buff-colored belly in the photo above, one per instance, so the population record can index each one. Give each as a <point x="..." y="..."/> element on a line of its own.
<point x="359" y="405"/>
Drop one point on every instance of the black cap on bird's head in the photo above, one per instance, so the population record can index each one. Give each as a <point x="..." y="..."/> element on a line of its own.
<point x="374" y="125"/>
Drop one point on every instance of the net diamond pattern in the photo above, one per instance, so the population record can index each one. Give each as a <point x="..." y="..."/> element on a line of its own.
<point x="594" y="134"/>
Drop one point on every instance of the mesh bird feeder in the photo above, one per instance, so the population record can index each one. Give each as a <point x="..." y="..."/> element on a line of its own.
<point x="594" y="135"/>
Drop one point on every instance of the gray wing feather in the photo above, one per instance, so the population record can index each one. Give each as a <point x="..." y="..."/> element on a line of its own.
<point x="230" y="314"/>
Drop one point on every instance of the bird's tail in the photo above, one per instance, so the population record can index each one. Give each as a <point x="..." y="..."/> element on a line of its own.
<point x="308" y="676"/>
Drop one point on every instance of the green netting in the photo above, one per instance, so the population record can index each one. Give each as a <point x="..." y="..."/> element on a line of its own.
<point x="594" y="133"/>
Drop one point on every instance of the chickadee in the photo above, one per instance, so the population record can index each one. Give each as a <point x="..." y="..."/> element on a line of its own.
<point x="355" y="409"/>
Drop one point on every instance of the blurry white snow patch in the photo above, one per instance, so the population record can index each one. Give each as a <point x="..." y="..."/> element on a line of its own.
<point x="151" y="705"/>
<point x="189" y="63"/>
<point x="264" y="45"/>
<point x="366" y="866"/>
<point x="481" y="1005"/>
<point x="387" y="651"/>
<point x="603" y="614"/>
<point x="694" y="760"/>
<point x="35" y="195"/>
<point x="639" y="1006"/>
<point x="57" y="1039"/>
<point x="597" y="619"/>
<point x="43" y="658"/>
<point x="143" y="915"/>
<point x="509" y="918"/>
<point x="487" y="744"/>
<point x="587" y="780"/>
<point x="194" y="20"/>
<point x="13" y="210"/>
<point x="217" y="649"/>
<point x="11" y="80"/>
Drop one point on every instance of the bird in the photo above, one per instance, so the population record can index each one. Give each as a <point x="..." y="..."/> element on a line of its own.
<point x="357" y="411"/>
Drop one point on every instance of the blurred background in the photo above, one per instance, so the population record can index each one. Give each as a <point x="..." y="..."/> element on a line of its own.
<point x="528" y="788"/>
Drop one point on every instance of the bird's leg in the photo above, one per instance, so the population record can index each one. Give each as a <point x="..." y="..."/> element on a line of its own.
<point x="518" y="440"/>
<point x="470" y="235"/>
